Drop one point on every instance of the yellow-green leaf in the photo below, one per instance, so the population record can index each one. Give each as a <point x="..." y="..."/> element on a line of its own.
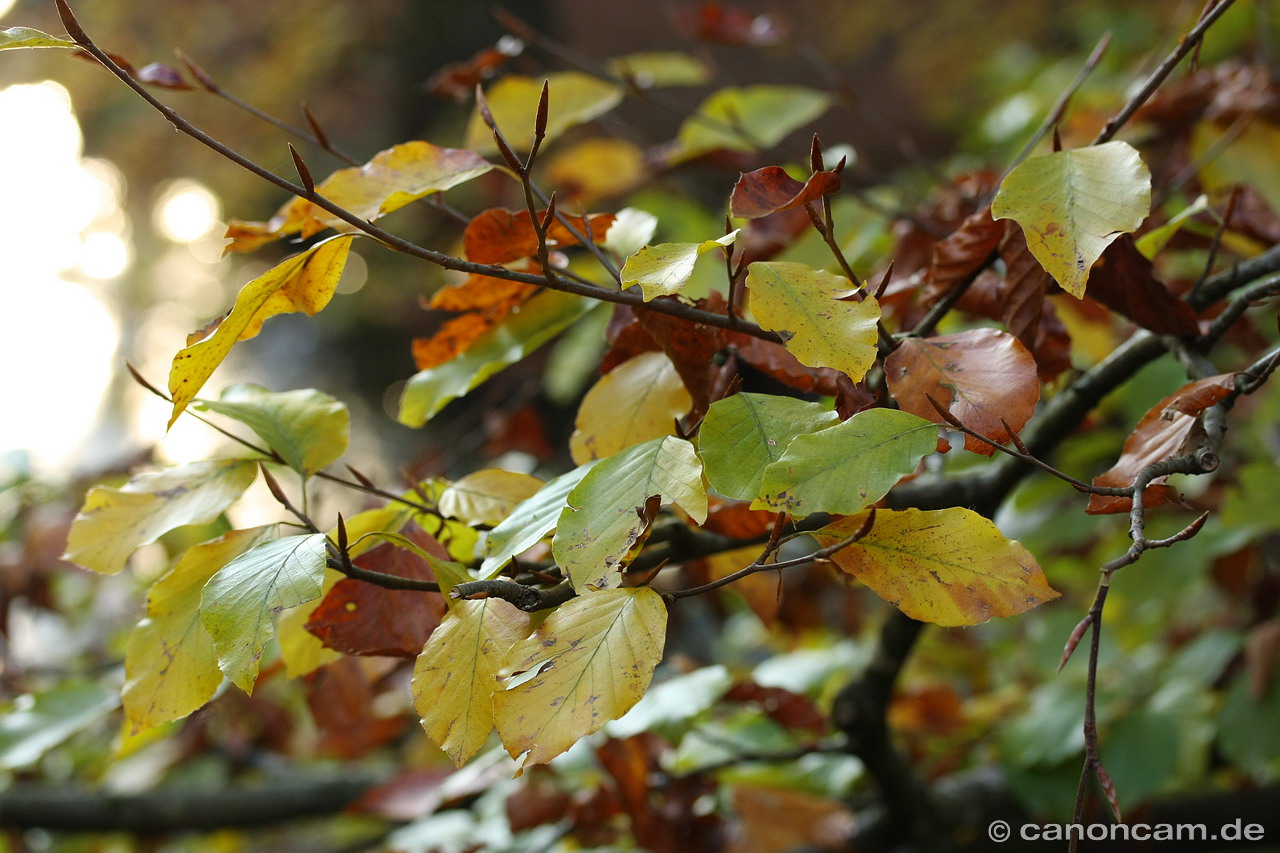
<point x="1072" y="204"/>
<point x="239" y="604"/>
<point x="648" y="69"/>
<point x="748" y="119"/>
<point x="1234" y="156"/>
<point x="529" y="522"/>
<point x="306" y="427"/>
<point x="487" y="496"/>
<point x="805" y="306"/>
<point x="744" y="434"/>
<point x="113" y="523"/>
<point x="847" y="467"/>
<point x="950" y="567"/>
<point x="456" y="676"/>
<point x="664" y="270"/>
<point x="638" y="400"/>
<point x="513" y="101"/>
<point x="393" y="178"/>
<point x="593" y="659"/>
<point x="170" y="663"/>
<point x="303" y="283"/>
<point x="607" y="510"/>
<point x="27" y="37"/>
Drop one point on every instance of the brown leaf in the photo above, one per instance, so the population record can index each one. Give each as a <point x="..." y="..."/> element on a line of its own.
<point x="162" y="76"/>
<point x="498" y="236"/>
<point x="981" y="376"/>
<point x="787" y="709"/>
<point x="962" y="253"/>
<point x="539" y="800"/>
<point x="341" y="702"/>
<point x="771" y="189"/>
<point x="359" y="618"/>
<point x="1164" y="432"/>
<point x="778" y="819"/>
<point x="415" y="794"/>
<point x="737" y="519"/>
<point x="457" y="81"/>
<point x="1123" y="280"/>
<point x="716" y="22"/>
<point x="762" y="239"/>
<point x="1261" y="650"/>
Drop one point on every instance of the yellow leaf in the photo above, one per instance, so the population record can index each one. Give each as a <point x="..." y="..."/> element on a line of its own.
<point x="638" y="400"/>
<point x="665" y="269"/>
<point x="950" y="567"/>
<point x="805" y="306"/>
<point x="574" y="98"/>
<point x="487" y="496"/>
<point x="592" y="659"/>
<point x="596" y="168"/>
<point x="170" y="664"/>
<point x="456" y="675"/>
<point x="113" y="523"/>
<point x="303" y="283"/>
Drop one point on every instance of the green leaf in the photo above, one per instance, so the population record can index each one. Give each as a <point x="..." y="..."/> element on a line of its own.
<point x="950" y="567"/>
<point x="27" y="37"/>
<point x="593" y="659"/>
<point x="660" y="68"/>
<point x="529" y="522"/>
<point x="523" y="331"/>
<point x="307" y="428"/>
<point x="606" y="511"/>
<point x="744" y="434"/>
<point x="302" y="283"/>
<point x="113" y="523"/>
<point x="456" y="675"/>
<point x="513" y="101"/>
<point x="239" y="604"/>
<point x="1073" y="204"/>
<point x="33" y="725"/>
<point x="748" y="119"/>
<point x="170" y="664"/>
<point x="848" y="467"/>
<point x="806" y="307"/>
<point x="664" y="270"/>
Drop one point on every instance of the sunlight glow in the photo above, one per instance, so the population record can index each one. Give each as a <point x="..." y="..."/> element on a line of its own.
<point x="5" y="6"/>
<point x="186" y="211"/>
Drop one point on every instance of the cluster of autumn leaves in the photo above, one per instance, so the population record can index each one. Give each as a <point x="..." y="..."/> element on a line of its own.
<point x="658" y="429"/>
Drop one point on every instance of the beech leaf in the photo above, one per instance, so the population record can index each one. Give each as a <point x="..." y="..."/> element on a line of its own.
<point x="529" y="522"/>
<point x="1165" y="431"/>
<point x="605" y="515"/>
<point x="113" y="523"/>
<point x="847" y="467"/>
<point x="575" y="98"/>
<point x="950" y="567"/>
<point x="638" y="400"/>
<point x="980" y="376"/>
<point x="456" y="675"/>
<point x="499" y="236"/>
<point x="27" y="37"/>
<point x="771" y="189"/>
<point x="170" y="663"/>
<point x="664" y="269"/>
<point x="744" y="434"/>
<point x="306" y="427"/>
<point x="487" y="496"/>
<point x="1073" y="204"/>
<point x="748" y="119"/>
<point x="805" y="306"/>
<point x="593" y="657"/>
<point x="650" y="69"/>
<point x="239" y="604"/>
<point x="303" y="283"/>
<point x="521" y="332"/>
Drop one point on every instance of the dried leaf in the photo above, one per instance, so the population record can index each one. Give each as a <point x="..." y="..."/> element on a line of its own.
<point x="771" y="189"/>
<point x="499" y="236"/>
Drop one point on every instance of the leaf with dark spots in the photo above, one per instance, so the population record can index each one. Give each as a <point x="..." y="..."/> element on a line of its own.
<point x="1124" y="281"/>
<point x="771" y="189"/>
<point x="360" y="618"/>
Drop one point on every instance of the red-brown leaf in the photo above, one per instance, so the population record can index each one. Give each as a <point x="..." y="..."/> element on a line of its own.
<point x="982" y="377"/>
<point x="162" y="76"/>
<point x="498" y="236"/>
<point x="787" y="709"/>
<point x="341" y="702"/>
<point x="359" y="618"/>
<point x="1124" y="281"/>
<point x="771" y="189"/>
<point x="962" y="253"/>
<point x="716" y="22"/>
<point x="1163" y="433"/>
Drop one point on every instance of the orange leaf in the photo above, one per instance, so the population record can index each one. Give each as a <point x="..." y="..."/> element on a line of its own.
<point x="771" y="189"/>
<point x="980" y="376"/>
<point x="497" y="236"/>
<point x="489" y="300"/>
<point x="1164" y="432"/>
